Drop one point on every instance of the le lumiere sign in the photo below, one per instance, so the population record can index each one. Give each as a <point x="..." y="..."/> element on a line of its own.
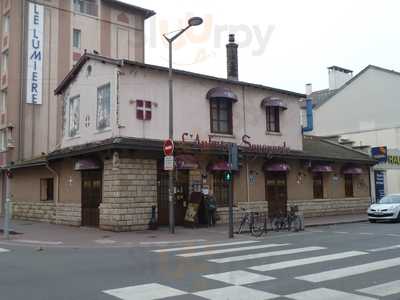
<point x="194" y="141"/>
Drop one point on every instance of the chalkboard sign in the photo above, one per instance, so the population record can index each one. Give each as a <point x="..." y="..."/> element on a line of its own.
<point x="192" y="210"/>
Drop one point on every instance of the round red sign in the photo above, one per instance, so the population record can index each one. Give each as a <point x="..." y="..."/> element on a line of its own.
<point x="168" y="147"/>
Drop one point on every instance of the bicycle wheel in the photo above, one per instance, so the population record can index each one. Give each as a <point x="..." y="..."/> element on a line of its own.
<point x="242" y="224"/>
<point x="276" y="224"/>
<point x="258" y="228"/>
<point x="296" y="224"/>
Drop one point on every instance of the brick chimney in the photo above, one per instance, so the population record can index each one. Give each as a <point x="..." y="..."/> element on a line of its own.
<point x="232" y="58"/>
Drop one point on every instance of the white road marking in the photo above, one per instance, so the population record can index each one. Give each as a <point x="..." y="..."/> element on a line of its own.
<point x="366" y="233"/>
<point x="340" y="232"/>
<point x="383" y="290"/>
<point x="350" y="271"/>
<point x="204" y="246"/>
<point x="38" y="242"/>
<point x="238" y="277"/>
<point x="2" y="250"/>
<point x="235" y="293"/>
<point x="150" y="291"/>
<point x="265" y="254"/>
<point x="172" y="242"/>
<point x="306" y="261"/>
<point x="229" y="250"/>
<point x="384" y="248"/>
<point x="326" y="294"/>
<point x="393" y="234"/>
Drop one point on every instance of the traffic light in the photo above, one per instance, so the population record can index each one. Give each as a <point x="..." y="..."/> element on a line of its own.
<point x="233" y="157"/>
<point x="228" y="176"/>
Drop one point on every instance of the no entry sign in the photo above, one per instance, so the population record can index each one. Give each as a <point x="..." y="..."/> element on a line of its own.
<point x="168" y="147"/>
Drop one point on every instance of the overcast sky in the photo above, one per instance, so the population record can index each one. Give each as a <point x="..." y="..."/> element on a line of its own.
<point x="284" y="43"/>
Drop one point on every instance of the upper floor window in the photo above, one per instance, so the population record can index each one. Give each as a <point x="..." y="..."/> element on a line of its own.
<point x="273" y="107"/>
<point x="221" y="116"/>
<point x="74" y="116"/>
<point x="4" y="67"/>
<point x="3" y="99"/>
<point x="221" y="102"/>
<point x="3" y="140"/>
<point x="76" y="39"/>
<point x="348" y="185"/>
<point x="272" y="119"/>
<point x="89" y="7"/>
<point x="103" y="107"/>
<point x="6" y="25"/>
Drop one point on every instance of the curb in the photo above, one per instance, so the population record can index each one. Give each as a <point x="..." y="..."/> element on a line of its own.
<point x="337" y="223"/>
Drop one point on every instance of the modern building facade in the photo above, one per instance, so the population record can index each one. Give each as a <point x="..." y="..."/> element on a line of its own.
<point x="363" y="113"/>
<point x="40" y="42"/>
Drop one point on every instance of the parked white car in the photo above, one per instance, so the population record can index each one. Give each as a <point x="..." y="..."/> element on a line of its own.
<point x="388" y="208"/>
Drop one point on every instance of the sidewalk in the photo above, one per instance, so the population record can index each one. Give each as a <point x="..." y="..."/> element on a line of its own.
<point x="50" y="235"/>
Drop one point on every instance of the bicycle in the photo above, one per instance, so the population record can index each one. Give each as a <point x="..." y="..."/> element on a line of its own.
<point x="256" y="223"/>
<point x="290" y="221"/>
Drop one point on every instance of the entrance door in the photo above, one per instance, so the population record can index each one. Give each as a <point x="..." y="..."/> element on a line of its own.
<point x="91" y="197"/>
<point x="276" y="193"/>
<point x="181" y="184"/>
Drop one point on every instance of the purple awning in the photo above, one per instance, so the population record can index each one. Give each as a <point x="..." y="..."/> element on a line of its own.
<point x="219" y="166"/>
<point x="322" y="169"/>
<point x="276" y="167"/>
<point x="274" y="102"/>
<point x="221" y="92"/>
<point x="87" y="164"/>
<point x="186" y="162"/>
<point x="353" y="171"/>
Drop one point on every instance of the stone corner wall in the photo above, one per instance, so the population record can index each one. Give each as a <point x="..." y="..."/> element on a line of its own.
<point x="331" y="207"/>
<point x="48" y="212"/>
<point x="68" y="214"/>
<point x="129" y="192"/>
<point x="34" y="211"/>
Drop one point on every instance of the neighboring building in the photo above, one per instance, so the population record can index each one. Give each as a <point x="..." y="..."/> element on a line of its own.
<point x="40" y="42"/>
<point x="364" y="112"/>
<point x="108" y="169"/>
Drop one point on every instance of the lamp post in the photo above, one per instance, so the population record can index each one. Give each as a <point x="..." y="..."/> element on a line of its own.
<point x="195" y="21"/>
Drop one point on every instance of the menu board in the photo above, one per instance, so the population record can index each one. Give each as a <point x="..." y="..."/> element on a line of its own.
<point x="192" y="210"/>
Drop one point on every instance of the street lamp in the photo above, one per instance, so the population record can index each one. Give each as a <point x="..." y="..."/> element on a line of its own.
<point x="195" y="21"/>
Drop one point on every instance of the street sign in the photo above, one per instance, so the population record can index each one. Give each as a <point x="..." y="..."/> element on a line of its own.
<point x="168" y="147"/>
<point x="168" y="163"/>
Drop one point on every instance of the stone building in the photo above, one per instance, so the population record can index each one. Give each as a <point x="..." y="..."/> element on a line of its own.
<point x="108" y="169"/>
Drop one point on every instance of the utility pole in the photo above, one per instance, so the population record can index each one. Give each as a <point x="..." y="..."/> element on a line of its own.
<point x="195" y="21"/>
<point x="233" y="166"/>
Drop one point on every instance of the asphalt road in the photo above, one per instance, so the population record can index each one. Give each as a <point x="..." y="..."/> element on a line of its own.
<point x="357" y="262"/>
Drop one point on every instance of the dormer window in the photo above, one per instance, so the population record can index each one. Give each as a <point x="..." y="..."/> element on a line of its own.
<point x="221" y="100"/>
<point x="273" y="107"/>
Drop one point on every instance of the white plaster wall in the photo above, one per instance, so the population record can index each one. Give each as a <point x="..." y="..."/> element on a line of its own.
<point x="86" y="87"/>
<point x="393" y="181"/>
<point x="192" y="109"/>
<point x="369" y="102"/>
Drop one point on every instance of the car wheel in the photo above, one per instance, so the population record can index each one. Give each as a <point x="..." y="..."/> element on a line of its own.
<point x="398" y="218"/>
<point x="372" y="221"/>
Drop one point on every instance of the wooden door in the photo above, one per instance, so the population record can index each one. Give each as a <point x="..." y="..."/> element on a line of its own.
<point x="91" y="197"/>
<point x="276" y="193"/>
<point x="162" y="197"/>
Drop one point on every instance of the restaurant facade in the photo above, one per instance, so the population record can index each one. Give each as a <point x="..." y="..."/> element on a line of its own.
<point x="108" y="168"/>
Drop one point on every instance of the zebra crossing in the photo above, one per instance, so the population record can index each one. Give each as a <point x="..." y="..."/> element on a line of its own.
<point x="256" y="270"/>
<point x="2" y="250"/>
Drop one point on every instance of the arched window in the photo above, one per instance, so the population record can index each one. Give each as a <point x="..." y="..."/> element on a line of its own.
<point x="273" y="107"/>
<point x="221" y="100"/>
